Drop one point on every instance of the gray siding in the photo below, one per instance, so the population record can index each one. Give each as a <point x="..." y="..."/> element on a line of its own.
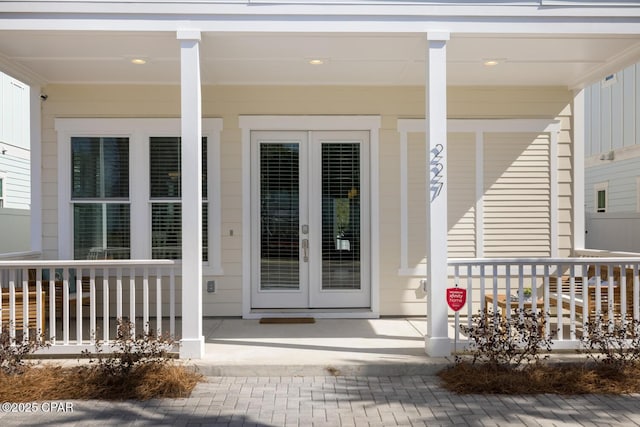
<point x="622" y="191"/>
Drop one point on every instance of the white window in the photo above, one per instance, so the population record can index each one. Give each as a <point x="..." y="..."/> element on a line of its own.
<point x="120" y="189"/>
<point x="165" y="188"/>
<point x="601" y="197"/>
<point x="100" y="197"/>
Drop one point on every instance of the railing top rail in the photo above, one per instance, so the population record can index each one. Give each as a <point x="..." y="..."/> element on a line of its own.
<point x="88" y="263"/>
<point x="543" y="261"/>
<point x="604" y="253"/>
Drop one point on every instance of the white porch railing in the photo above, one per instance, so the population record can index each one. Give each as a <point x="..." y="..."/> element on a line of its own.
<point x="571" y="291"/>
<point x="71" y="304"/>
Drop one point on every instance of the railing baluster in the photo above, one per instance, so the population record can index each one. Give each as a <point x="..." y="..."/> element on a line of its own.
<point x="132" y="300"/>
<point x="92" y="305"/>
<point x="65" y="306"/>
<point x="636" y="293"/>
<point x="25" y="304"/>
<point x="105" y="304"/>
<point x="158" y="301"/>
<point x="547" y="311"/>
<point x="172" y="302"/>
<point x="119" y="294"/>
<point x="12" y="303"/>
<point x="507" y="272"/>
<point x="470" y="295"/>
<point x="482" y="290"/>
<point x="52" y="305"/>
<point x="79" y="273"/>
<point x="145" y="301"/>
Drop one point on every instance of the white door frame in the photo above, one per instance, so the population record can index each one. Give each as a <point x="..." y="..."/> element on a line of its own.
<point x="317" y="123"/>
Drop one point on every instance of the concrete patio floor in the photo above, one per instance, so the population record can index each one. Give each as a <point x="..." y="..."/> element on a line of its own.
<point x="387" y="346"/>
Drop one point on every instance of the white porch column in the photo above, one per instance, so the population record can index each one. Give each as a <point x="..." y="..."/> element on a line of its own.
<point x="192" y="343"/>
<point x="578" y="170"/>
<point x="437" y="341"/>
<point x="35" y="132"/>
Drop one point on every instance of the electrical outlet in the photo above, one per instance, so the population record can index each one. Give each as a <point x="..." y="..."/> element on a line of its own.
<point x="211" y="286"/>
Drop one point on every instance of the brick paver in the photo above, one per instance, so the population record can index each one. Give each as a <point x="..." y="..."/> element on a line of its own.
<point x="332" y="402"/>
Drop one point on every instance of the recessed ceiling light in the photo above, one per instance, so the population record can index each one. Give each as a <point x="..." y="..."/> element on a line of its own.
<point x="316" y="61"/>
<point x="138" y="61"/>
<point x="490" y="62"/>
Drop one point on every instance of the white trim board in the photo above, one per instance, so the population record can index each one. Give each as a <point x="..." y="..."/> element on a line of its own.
<point x="367" y="123"/>
<point x="477" y="127"/>
<point x="138" y="129"/>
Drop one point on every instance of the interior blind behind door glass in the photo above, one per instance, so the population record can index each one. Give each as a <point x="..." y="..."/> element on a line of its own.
<point x="280" y="217"/>
<point x="341" y="216"/>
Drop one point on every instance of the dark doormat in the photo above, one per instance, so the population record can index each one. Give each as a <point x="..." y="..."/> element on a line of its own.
<point x="284" y="320"/>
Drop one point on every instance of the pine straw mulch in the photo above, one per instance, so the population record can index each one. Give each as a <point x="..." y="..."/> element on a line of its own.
<point x="565" y="379"/>
<point x="52" y="382"/>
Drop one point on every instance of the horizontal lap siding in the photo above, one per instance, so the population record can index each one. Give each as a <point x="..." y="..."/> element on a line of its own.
<point x="516" y="195"/>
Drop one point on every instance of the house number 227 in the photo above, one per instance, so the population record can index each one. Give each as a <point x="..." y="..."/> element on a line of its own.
<point x="437" y="178"/>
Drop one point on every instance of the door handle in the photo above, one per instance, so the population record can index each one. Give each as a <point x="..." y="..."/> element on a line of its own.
<point x="305" y="250"/>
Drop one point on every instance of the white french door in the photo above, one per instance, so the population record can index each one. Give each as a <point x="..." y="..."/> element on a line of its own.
<point x="310" y="219"/>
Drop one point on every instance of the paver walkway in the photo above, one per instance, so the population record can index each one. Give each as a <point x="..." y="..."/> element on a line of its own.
<point x="338" y="401"/>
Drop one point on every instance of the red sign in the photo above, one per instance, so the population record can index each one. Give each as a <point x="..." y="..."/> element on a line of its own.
<point x="456" y="298"/>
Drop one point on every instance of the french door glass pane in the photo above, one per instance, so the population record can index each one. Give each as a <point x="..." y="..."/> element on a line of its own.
<point x="101" y="231"/>
<point x="340" y="216"/>
<point x="279" y="211"/>
<point x="100" y="168"/>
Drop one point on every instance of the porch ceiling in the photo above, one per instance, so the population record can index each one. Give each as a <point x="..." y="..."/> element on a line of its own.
<point x="283" y="59"/>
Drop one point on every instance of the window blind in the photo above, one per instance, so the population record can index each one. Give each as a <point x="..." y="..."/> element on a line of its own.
<point x="165" y="190"/>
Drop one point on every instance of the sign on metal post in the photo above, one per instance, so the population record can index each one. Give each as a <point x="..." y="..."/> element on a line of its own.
<point x="456" y="298"/>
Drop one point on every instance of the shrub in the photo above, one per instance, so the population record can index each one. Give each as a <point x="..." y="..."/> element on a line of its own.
<point x="613" y="342"/>
<point x="13" y="350"/>
<point x="129" y="351"/>
<point x="507" y="342"/>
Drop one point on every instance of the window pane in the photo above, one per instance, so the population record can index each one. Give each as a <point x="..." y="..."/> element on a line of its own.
<point x="100" y="167"/>
<point x="602" y="200"/>
<point x="101" y="231"/>
<point x="166" y="231"/>
<point x="165" y="160"/>
<point x="205" y="232"/>
<point x="165" y="179"/>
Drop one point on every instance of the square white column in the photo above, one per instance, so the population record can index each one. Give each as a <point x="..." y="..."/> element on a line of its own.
<point x="192" y="342"/>
<point x="437" y="341"/>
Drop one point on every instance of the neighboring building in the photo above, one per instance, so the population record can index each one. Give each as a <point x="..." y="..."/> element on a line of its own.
<point x="325" y="191"/>
<point x="15" y="144"/>
<point x="612" y="161"/>
<point x="15" y="174"/>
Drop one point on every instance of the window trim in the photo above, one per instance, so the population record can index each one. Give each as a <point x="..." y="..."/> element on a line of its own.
<point x="637" y="193"/>
<point x="3" y="189"/>
<point x="138" y="130"/>
<point x="601" y="186"/>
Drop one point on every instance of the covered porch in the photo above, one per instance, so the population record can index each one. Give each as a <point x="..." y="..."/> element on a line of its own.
<point x="376" y="63"/>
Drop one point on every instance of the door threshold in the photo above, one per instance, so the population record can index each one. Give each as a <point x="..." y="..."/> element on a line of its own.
<point x="318" y="313"/>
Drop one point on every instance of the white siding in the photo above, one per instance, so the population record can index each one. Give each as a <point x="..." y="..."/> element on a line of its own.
<point x="612" y="113"/>
<point x="14" y="142"/>
<point x="14" y="112"/>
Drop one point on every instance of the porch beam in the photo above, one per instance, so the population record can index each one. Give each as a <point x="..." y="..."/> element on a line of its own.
<point x="192" y="342"/>
<point x="437" y="341"/>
